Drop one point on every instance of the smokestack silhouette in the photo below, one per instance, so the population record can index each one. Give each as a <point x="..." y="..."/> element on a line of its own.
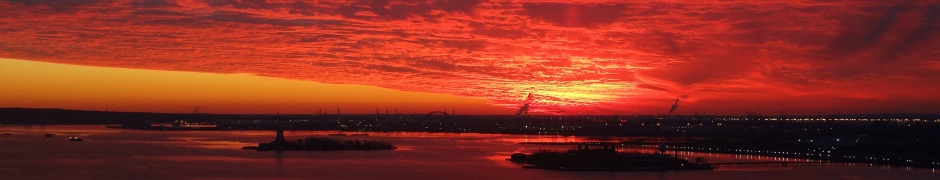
<point x="674" y="107"/>
<point x="524" y="110"/>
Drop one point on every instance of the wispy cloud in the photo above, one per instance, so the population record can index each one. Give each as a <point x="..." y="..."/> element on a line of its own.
<point x="586" y="56"/>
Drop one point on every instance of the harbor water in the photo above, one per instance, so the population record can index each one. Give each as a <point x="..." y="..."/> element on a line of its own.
<point x="108" y="153"/>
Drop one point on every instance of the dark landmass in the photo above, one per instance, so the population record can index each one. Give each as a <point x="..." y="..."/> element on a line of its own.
<point x="321" y="144"/>
<point x="893" y="139"/>
<point x="603" y="157"/>
<point x="63" y="116"/>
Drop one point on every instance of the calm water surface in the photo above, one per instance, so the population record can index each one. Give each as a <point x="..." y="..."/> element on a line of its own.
<point x="133" y="154"/>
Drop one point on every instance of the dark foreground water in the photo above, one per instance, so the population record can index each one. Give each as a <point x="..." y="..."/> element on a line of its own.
<point x="133" y="154"/>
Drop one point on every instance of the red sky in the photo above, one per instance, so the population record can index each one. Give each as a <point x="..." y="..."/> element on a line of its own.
<point x="594" y="57"/>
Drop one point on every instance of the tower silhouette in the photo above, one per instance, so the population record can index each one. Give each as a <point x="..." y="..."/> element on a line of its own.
<point x="279" y="140"/>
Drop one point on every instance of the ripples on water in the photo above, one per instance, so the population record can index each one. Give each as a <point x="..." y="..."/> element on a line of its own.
<point x="133" y="154"/>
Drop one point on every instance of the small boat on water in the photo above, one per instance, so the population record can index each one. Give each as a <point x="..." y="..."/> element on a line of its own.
<point x="73" y="138"/>
<point x="49" y="135"/>
<point x="360" y="134"/>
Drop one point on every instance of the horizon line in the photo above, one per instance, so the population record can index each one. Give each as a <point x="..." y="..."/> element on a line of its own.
<point x="616" y="114"/>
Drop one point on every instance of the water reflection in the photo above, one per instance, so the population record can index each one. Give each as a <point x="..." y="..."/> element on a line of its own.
<point x="279" y="156"/>
<point x="132" y="154"/>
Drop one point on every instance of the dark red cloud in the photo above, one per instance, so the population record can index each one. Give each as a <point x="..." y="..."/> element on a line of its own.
<point x="576" y="15"/>
<point x="576" y="57"/>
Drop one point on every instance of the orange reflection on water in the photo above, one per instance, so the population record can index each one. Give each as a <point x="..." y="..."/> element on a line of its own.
<point x="200" y="158"/>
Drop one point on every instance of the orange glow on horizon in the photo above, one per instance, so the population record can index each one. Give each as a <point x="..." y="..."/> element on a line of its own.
<point x="47" y="85"/>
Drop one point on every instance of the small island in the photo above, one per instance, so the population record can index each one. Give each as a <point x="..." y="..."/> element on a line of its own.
<point x="317" y="144"/>
<point x="605" y="158"/>
<point x="321" y="144"/>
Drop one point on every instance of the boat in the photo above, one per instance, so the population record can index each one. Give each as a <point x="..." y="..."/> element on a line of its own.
<point x="49" y="135"/>
<point x="73" y="138"/>
<point x="360" y="134"/>
<point x="606" y="158"/>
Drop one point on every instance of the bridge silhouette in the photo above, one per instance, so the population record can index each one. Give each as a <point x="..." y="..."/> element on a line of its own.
<point x="442" y="113"/>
